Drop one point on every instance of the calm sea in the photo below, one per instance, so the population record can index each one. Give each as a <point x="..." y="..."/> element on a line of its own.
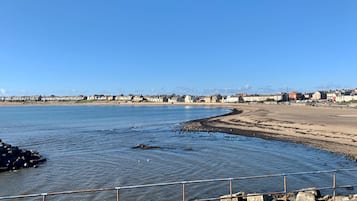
<point x="91" y="147"/>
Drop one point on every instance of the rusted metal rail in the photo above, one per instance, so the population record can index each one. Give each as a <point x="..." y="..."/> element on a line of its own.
<point x="184" y="184"/>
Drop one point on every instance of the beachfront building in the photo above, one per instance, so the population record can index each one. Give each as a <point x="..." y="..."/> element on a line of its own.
<point x="212" y="99"/>
<point x="138" y="99"/>
<point x="110" y="98"/>
<point x="265" y="98"/>
<point x="293" y="96"/>
<point x="198" y="99"/>
<point x="208" y="99"/>
<point x="307" y="96"/>
<point x="97" y="98"/>
<point x="173" y="99"/>
<point x="346" y="98"/>
<point x="319" y="95"/>
<point x="216" y="99"/>
<point x="232" y="99"/>
<point x="62" y="98"/>
<point x="123" y="98"/>
<point x="188" y="99"/>
<point x="21" y="98"/>
<point x="155" y="99"/>
<point x="332" y="96"/>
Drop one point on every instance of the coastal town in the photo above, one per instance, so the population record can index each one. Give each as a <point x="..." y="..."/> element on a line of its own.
<point x="338" y="97"/>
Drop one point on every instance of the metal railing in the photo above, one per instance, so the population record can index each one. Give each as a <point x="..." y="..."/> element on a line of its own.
<point x="117" y="190"/>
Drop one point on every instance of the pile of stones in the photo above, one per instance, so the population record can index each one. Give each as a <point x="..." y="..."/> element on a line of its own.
<point x="303" y="195"/>
<point x="14" y="158"/>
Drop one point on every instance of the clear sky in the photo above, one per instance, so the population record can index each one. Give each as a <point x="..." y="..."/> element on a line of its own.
<point x="72" y="47"/>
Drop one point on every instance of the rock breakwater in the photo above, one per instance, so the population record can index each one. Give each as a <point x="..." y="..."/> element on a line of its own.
<point x="302" y="195"/>
<point x="14" y="158"/>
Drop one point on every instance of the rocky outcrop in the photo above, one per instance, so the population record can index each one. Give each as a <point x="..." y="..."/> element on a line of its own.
<point x="14" y="158"/>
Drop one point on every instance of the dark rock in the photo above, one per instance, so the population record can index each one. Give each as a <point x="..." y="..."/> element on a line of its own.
<point x="188" y="149"/>
<point x="144" y="146"/>
<point x="14" y="158"/>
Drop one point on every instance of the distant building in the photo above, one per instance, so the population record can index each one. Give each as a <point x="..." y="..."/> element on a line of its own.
<point x="62" y="98"/>
<point x="21" y="98"/>
<point x="216" y="99"/>
<point x="110" y="98"/>
<point x="332" y="96"/>
<point x="173" y="99"/>
<point x="138" y="99"/>
<point x="346" y="96"/>
<point x="307" y="96"/>
<point x="123" y="98"/>
<point x="97" y="98"/>
<point x="154" y="99"/>
<point x="212" y="99"/>
<point x="319" y="95"/>
<point x="293" y="96"/>
<point x="264" y="98"/>
<point x="232" y="99"/>
<point x="188" y="99"/>
<point x="208" y="99"/>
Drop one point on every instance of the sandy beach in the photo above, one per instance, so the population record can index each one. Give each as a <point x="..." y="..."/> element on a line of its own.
<point x="331" y="129"/>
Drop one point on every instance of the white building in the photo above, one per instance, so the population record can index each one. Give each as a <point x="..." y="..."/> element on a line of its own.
<point x="232" y="99"/>
<point x="154" y="99"/>
<point x="188" y="99"/>
<point x="62" y="98"/>
<point x="262" y="98"/>
<point x="319" y="95"/>
<point x="123" y="98"/>
<point x="346" y="98"/>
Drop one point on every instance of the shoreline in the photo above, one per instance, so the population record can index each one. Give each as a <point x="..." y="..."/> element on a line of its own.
<point x="327" y="128"/>
<point x="288" y="123"/>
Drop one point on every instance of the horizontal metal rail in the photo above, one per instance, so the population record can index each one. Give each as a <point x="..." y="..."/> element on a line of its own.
<point x="183" y="183"/>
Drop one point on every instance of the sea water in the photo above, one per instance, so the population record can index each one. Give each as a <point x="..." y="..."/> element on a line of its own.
<point x="91" y="147"/>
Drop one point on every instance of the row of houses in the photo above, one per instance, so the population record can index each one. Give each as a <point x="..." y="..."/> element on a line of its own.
<point x="337" y="96"/>
<point x="40" y="98"/>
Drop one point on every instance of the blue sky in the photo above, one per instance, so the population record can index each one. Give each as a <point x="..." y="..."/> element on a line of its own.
<point x="67" y="47"/>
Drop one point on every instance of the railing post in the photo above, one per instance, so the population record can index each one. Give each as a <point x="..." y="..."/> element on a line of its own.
<point x="334" y="185"/>
<point x="118" y="194"/>
<point x="285" y="188"/>
<point x="231" y="188"/>
<point x="183" y="191"/>
<point x="43" y="196"/>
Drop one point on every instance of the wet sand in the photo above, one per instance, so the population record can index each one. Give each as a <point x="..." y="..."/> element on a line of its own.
<point x="331" y="129"/>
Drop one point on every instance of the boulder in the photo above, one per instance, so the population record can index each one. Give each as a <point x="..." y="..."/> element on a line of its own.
<point x="324" y="198"/>
<point x="305" y="196"/>
<point x="344" y="198"/>
<point x="254" y="197"/>
<point x="235" y="197"/>
<point x="309" y="194"/>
